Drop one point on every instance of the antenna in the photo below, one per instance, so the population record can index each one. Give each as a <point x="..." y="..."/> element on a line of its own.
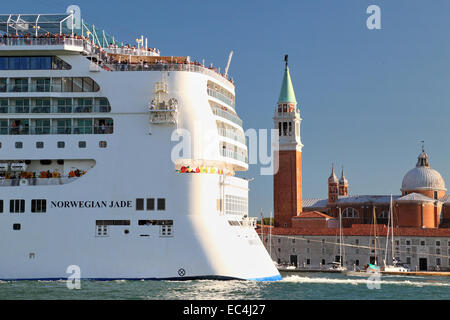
<point x="228" y="63"/>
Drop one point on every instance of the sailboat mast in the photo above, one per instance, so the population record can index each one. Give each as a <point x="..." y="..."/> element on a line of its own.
<point x="262" y="228"/>
<point x="387" y="237"/>
<point x="341" y="255"/>
<point x="375" y="234"/>
<point x="270" y="235"/>
<point x="392" y="229"/>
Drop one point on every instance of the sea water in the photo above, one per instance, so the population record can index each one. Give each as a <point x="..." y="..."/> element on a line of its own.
<point x="299" y="286"/>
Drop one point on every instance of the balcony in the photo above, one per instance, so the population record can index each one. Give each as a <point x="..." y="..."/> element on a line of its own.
<point x="234" y="155"/>
<point x="227" y="115"/>
<point x="232" y="134"/>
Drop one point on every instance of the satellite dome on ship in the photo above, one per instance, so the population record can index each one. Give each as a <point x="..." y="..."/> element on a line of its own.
<point x="422" y="177"/>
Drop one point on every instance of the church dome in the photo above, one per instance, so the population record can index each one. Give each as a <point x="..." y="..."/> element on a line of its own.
<point x="422" y="177"/>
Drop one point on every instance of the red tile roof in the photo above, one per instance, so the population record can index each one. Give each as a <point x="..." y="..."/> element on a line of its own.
<point x="357" y="230"/>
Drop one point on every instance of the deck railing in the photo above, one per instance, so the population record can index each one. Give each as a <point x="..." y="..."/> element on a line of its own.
<point x="234" y="155"/>
<point x="227" y="115"/>
<point x="165" y="67"/>
<point x="81" y="43"/>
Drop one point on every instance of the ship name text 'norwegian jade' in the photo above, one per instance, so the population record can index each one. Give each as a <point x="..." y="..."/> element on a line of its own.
<point x="118" y="160"/>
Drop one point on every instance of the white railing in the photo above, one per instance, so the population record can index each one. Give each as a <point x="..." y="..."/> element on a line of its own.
<point x="133" y="51"/>
<point x="81" y="43"/>
<point x="232" y="134"/>
<point x="227" y="115"/>
<point x="234" y="155"/>
<point x="165" y="67"/>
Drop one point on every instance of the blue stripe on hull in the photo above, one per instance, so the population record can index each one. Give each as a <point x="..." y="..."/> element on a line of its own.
<point x="273" y="278"/>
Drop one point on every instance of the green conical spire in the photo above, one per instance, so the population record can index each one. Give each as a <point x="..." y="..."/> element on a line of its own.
<point x="287" y="91"/>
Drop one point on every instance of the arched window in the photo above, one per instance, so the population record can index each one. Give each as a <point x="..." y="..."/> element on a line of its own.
<point x="350" y="213"/>
<point x="383" y="214"/>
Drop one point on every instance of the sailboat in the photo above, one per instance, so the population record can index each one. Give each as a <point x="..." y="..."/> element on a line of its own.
<point x="339" y="265"/>
<point x="396" y="266"/>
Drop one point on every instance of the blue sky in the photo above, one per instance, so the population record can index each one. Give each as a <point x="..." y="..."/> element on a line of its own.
<point x="367" y="97"/>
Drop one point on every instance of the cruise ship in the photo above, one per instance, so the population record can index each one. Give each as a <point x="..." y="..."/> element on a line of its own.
<point x="118" y="160"/>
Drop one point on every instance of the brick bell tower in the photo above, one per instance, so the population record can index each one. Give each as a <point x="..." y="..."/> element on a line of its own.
<point x="287" y="182"/>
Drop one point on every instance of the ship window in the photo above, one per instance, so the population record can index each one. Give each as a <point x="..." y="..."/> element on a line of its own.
<point x="1" y="206"/>
<point x="61" y="144"/>
<point x="161" y="204"/>
<point x="19" y="145"/>
<point x="140" y="204"/>
<point x="0" y="145"/>
<point x="3" y="85"/>
<point x="60" y="161"/>
<point x="16" y="226"/>
<point x="81" y="144"/>
<point x="102" y="144"/>
<point x="45" y="162"/>
<point x="150" y="204"/>
<point x="101" y="231"/>
<point x="165" y="231"/>
<point x="38" y="205"/>
<point x="67" y="84"/>
<point x="83" y="126"/>
<point x="77" y="84"/>
<point x="39" y="144"/>
<point x="3" y="63"/>
<point x="17" y="206"/>
<point x="33" y="63"/>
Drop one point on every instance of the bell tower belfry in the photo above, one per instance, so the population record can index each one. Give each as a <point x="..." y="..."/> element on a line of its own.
<point x="287" y="182"/>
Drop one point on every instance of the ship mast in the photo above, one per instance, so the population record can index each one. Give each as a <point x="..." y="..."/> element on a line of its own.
<point x="375" y="234"/>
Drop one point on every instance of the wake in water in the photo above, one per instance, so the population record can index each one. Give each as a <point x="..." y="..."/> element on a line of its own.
<point x="362" y="281"/>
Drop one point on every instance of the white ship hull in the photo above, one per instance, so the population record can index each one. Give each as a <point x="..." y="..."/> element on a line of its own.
<point x="136" y="164"/>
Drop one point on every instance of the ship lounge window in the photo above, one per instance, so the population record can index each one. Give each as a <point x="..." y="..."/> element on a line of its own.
<point x="81" y="144"/>
<point x="38" y="205"/>
<point x="33" y="63"/>
<point x="161" y="204"/>
<point x="112" y="222"/>
<point x="19" y="145"/>
<point x="151" y="204"/>
<point x="155" y="222"/>
<point x="140" y="204"/>
<point x="16" y="226"/>
<point x="74" y="85"/>
<point x="39" y="144"/>
<point x="17" y="206"/>
<point x="61" y="144"/>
